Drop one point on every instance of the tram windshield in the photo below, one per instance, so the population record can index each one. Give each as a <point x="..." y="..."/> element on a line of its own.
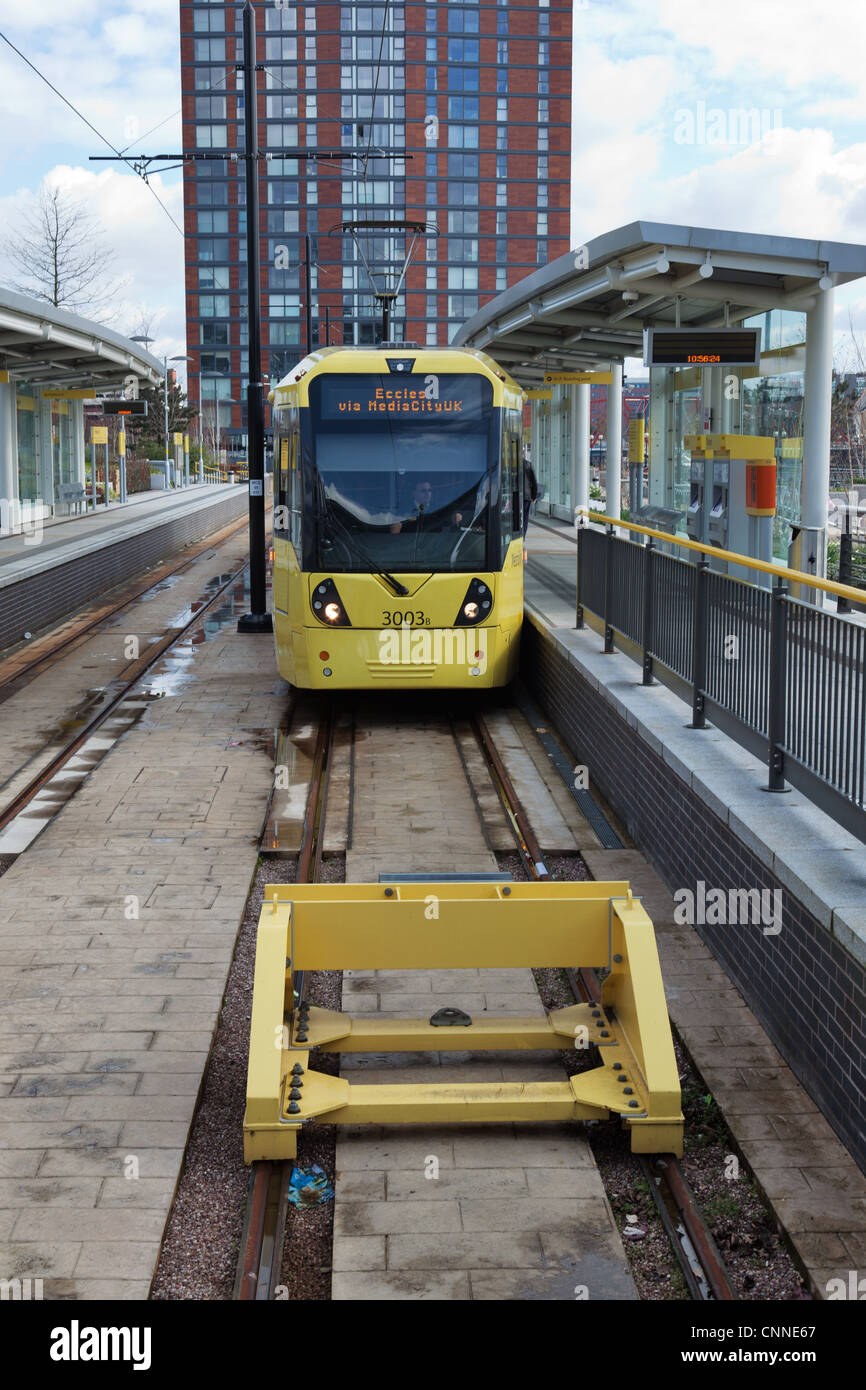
<point x="403" y="476"/>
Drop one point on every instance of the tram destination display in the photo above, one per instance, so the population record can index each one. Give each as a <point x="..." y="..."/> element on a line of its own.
<point x="702" y="347"/>
<point x="431" y="399"/>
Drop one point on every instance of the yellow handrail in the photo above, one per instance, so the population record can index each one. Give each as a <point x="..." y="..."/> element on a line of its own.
<point x="809" y="581"/>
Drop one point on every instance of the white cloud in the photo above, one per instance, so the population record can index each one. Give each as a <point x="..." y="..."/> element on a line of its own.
<point x="148" y="249"/>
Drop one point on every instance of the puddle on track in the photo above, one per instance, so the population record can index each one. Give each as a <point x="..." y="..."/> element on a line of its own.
<point x="169" y="677"/>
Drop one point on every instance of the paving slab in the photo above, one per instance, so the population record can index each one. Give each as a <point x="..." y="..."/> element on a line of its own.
<point x="457" y="1212"/>
<point x="110" y="1029"/>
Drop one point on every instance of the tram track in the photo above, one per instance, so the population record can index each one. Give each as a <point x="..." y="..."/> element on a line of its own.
<point x="14" y="677"/>
<point x="690" y="1238"/>
<point x="117" y="691"/>
<point x="263" y="1233"/>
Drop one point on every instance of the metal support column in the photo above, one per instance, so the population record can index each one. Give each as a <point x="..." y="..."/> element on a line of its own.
<point x="816" y="431"/>
<point x="258" y="619"/>
<point x="613" y="465"/>
<point x="778" y="710"/>
<point x="580" y="451"/>
<point x="8" y="456"/>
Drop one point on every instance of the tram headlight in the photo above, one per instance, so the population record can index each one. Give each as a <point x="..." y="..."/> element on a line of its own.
<point x="327" y="605"/>
<point x="476" y="605"/>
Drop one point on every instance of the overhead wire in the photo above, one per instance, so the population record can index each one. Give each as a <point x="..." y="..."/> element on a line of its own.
<point x="89" y="124"/>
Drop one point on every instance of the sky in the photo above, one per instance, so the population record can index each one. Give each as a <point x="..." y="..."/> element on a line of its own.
<point x="656" y="134"/>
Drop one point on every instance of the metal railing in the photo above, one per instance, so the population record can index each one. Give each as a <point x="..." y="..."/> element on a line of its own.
<point x="782" y="677"/>
<point x="852" y="566"/>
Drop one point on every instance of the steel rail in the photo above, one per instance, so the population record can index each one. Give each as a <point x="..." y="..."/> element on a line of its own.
<point x="140" y="668"/>
<point x="690" y="1238"/>
<point x="267" y="1197"/>
<point x="46" y="659"/>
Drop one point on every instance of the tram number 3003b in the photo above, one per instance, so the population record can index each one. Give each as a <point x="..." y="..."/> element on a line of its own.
<point x="397" y="619"/>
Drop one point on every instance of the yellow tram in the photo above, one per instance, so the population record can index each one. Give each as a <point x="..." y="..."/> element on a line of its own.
<point x="398" y="503"/>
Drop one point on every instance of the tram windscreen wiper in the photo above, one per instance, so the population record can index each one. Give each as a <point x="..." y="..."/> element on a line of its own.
<point x="355" y="545"/>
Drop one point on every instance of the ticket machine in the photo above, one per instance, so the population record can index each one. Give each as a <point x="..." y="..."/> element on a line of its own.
<point x="718" y="520"/>
<point x="701" y="459"/>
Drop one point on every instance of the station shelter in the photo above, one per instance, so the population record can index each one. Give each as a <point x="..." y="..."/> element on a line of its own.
<point x="735" y="332"/>
<point x="51" y="363"/>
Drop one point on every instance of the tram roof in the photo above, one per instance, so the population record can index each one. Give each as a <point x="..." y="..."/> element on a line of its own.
<point x="367" y="359"/>
<point x="571" y="315"/>
<point x="41" y="343"/>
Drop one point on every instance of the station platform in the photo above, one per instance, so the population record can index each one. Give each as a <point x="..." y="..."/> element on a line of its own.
<point x="46" y="574"/>
<point x="771" y="1012"/>
<point x="117" y="929"/>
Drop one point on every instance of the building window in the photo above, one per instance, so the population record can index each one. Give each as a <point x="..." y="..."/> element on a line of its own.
<point x="280" y="50"/>
<point x="501" y="224"/>
<point x="214" y="250"/>
<point x="431" y="80"/>
<point x="502" y="51"/>
<point x="463" y="194"/>
<point x="543" y="54"/>
<point x="543" y="80"/>
<point x="462" y="306"/>
<point x="208" y="222"/>
<point x="210" y="108"/>
<point x="502" y="166"/>
<point x="462" y="222"/>
<point x="463" y="108"/>
<point x="461" y="50"/>
<point x="430" y="53"/>
<point x="211" y="137"/>
<point x="543" y="138"/>
<point x="462" y="277"/>
<point x="502" y="137"/>
<point x="502" y="80"/>
<point x="432" y="336"/>
<point x="541" y="255"/>
<point x="502" y="195"/>
<point x="502" y="250"/>
<point x="432" y="195"/>
<point x="462" y="249"/>
<point x="502" y="277"/>
<point x="542" y="195"/>
<point x="431" y="166"/>
<point x="463" y="166"/>
<point x="502" y="108"/>
<point x="462" y="21"/>
<point x="284" y="306"/>
<point x="543" y="24"/>
<point x="541" y="172"/>
<point x="432" y="18"/>
<point x="214" y="306"/>
<point x="543" y="111"/>
<point x="432" y="308"/>
<point x="463" y="137"/>
<point x="541" y="224"/>
<point x="209" y="50"/>
<point x="463" y="79"/>
<point x="431" y="282"/>
<point x="502" y="22"/>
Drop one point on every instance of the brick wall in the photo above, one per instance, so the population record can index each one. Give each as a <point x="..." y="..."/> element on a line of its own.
<point x="807" y="991"/>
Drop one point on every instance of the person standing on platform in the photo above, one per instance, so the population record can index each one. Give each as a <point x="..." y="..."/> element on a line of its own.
<point x="530" y="490"/>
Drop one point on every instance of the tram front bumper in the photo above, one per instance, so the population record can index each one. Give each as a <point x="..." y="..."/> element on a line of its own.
<point x="353" y="658"/>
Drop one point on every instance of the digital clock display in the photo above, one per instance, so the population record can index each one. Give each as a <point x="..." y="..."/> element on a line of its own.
<point x="686" y="347"/>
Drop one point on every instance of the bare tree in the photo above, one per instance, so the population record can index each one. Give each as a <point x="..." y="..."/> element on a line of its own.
<point x="59" y="253"/>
